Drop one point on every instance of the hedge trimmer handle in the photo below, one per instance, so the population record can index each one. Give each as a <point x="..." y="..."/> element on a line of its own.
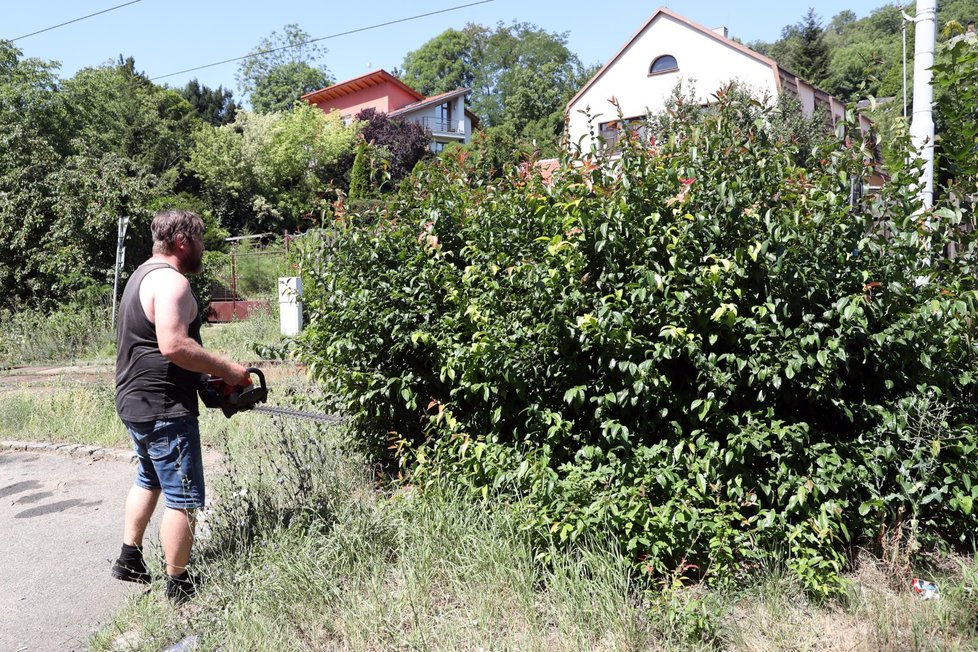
<point x="215" y="393"/>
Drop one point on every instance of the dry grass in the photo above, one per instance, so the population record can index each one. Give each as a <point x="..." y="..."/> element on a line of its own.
<point x="880" y="613"/>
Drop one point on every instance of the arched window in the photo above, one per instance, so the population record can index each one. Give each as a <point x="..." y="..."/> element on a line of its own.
<point x="665" y="63"/>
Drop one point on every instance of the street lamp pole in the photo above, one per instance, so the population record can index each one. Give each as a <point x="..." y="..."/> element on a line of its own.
<point x="922" y="124"/>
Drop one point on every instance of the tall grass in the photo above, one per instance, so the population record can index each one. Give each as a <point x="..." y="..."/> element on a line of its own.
<point x="246" y="340"/>
<point x="73" y="413"/>
<point x="80" y="330"/>
<point x="300" y="551"/>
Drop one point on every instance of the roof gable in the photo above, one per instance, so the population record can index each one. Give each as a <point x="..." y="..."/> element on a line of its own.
<point x="350" y="86"/>
<point x="705" y="31"/>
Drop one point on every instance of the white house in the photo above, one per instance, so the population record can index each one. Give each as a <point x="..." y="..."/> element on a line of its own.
<point x="666" y="50"/>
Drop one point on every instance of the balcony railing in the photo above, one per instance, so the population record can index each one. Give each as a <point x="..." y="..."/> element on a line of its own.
<point x="437" y="125"/>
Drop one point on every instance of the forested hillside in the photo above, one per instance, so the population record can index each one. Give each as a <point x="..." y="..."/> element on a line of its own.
<point x="853" y="57"/>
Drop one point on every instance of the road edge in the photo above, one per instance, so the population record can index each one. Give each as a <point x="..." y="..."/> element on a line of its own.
<point x="72" y="450"/>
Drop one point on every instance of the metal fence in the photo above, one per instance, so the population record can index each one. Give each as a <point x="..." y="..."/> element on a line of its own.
<point x="249" y="275"/>
<point x="246" y="280"/>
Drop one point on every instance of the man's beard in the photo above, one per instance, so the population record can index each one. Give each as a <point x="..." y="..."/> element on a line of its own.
<point x="193" y="263"/>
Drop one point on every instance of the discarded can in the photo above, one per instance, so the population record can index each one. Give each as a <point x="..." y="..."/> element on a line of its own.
<point x="926" y="590"/>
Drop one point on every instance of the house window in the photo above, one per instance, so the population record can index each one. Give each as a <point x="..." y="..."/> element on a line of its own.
<point x="611" y="132"/>
<point x="443" y="117"/>
<point x="665" y="63"/>
<point x="437" y="147"/>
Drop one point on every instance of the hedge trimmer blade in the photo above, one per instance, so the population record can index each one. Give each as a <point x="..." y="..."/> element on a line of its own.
<point x="298" y="414"/>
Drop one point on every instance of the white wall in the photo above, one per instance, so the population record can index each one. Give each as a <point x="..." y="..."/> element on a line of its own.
<point x="709" y="62"/>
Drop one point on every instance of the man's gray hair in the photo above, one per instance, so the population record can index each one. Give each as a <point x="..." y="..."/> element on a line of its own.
<point x="168" y="224"/>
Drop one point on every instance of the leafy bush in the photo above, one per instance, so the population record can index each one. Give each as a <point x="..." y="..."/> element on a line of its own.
<point x="404" y="143"/>
<point x="956" y="116"/>
<point x="702" y="348"/>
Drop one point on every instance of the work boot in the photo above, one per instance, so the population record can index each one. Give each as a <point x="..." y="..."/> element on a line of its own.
<point x="130" y="566"/>
<point x="180" y="588"/>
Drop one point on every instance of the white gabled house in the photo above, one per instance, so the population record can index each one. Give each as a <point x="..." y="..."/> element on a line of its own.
<point x="670" y="48"/>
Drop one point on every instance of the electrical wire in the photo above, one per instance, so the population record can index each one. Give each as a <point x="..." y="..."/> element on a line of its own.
<point x="97" y="13"/>
<point x="324" y="38"/>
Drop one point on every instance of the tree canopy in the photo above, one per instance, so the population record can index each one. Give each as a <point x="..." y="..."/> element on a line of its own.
<point x="265" y="171"/>
<point x="117" y="109"/>
<point x="281" y="68"/>
<point x="853" y="57"/>
<point x="214" y="106"/>
<point x="521" y="76"/>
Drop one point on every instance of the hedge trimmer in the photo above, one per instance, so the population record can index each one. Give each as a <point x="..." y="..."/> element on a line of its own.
<point x="231" y="399"/>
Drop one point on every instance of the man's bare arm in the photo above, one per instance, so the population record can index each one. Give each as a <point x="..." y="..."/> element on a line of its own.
<point x="173" y="307"/>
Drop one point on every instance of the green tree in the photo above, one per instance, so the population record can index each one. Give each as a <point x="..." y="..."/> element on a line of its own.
<point x="215" y="106"/>
<point x="58" y="218"/>
<point x="802" y="49"/>
<point x="266" y="172"/>
<point x="61" y="189"/>
<point x="280" y="69"/>
<point x="360" y="174"/>
<point x="813" y="56"/>
<point x="116" y="109"/>
<point x="444" y="63"/>
<point x="521" y="76"/>
<point x="29" y="101"/>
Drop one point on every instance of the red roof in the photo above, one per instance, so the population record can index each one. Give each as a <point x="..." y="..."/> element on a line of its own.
<point x="375" y="78"/>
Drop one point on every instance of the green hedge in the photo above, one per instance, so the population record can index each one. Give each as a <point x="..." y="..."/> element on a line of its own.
<point x="702" y="348"/>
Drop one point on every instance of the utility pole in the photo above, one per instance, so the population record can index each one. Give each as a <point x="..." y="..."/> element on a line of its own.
<point x="922" y="124"/>
<point x="120" y="257"/>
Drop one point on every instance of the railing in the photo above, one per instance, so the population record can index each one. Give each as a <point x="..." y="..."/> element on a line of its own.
<point x="442" y="126"/>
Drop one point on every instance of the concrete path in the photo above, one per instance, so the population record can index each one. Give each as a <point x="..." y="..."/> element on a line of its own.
<point x="60" y="531"/>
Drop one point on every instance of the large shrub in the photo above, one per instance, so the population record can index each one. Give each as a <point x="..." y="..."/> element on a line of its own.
<point x="702" y="347"/>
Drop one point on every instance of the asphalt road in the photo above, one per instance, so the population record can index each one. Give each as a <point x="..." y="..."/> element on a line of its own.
<point x="60" y="531"/>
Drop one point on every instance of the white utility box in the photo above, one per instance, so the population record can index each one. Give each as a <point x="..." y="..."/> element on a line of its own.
<point x="290" y="304"/>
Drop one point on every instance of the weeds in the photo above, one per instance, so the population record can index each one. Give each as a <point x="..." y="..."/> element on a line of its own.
<point x="74" y="413"/>
<point x="77" y="331"/>
<point x="300" y="552"/>
<point x="244" y="340"/>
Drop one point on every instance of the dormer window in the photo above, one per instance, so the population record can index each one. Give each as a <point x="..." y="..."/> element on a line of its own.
<point x="665" y="63"/>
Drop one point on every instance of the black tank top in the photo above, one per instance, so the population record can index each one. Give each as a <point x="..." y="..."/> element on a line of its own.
<point x="149" y="387"/>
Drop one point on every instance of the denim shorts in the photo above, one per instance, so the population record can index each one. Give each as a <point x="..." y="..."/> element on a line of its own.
<point x="169" y="459"/>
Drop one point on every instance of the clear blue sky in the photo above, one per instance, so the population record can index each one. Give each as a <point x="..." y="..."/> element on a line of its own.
<point x="166" y="36"/>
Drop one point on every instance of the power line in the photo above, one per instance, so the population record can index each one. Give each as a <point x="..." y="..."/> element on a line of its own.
<point x="324" y="38"/>
<point x="104" y="11"/>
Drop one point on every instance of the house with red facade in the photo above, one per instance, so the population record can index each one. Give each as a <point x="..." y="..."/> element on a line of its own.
<point x="444" y="115"/>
